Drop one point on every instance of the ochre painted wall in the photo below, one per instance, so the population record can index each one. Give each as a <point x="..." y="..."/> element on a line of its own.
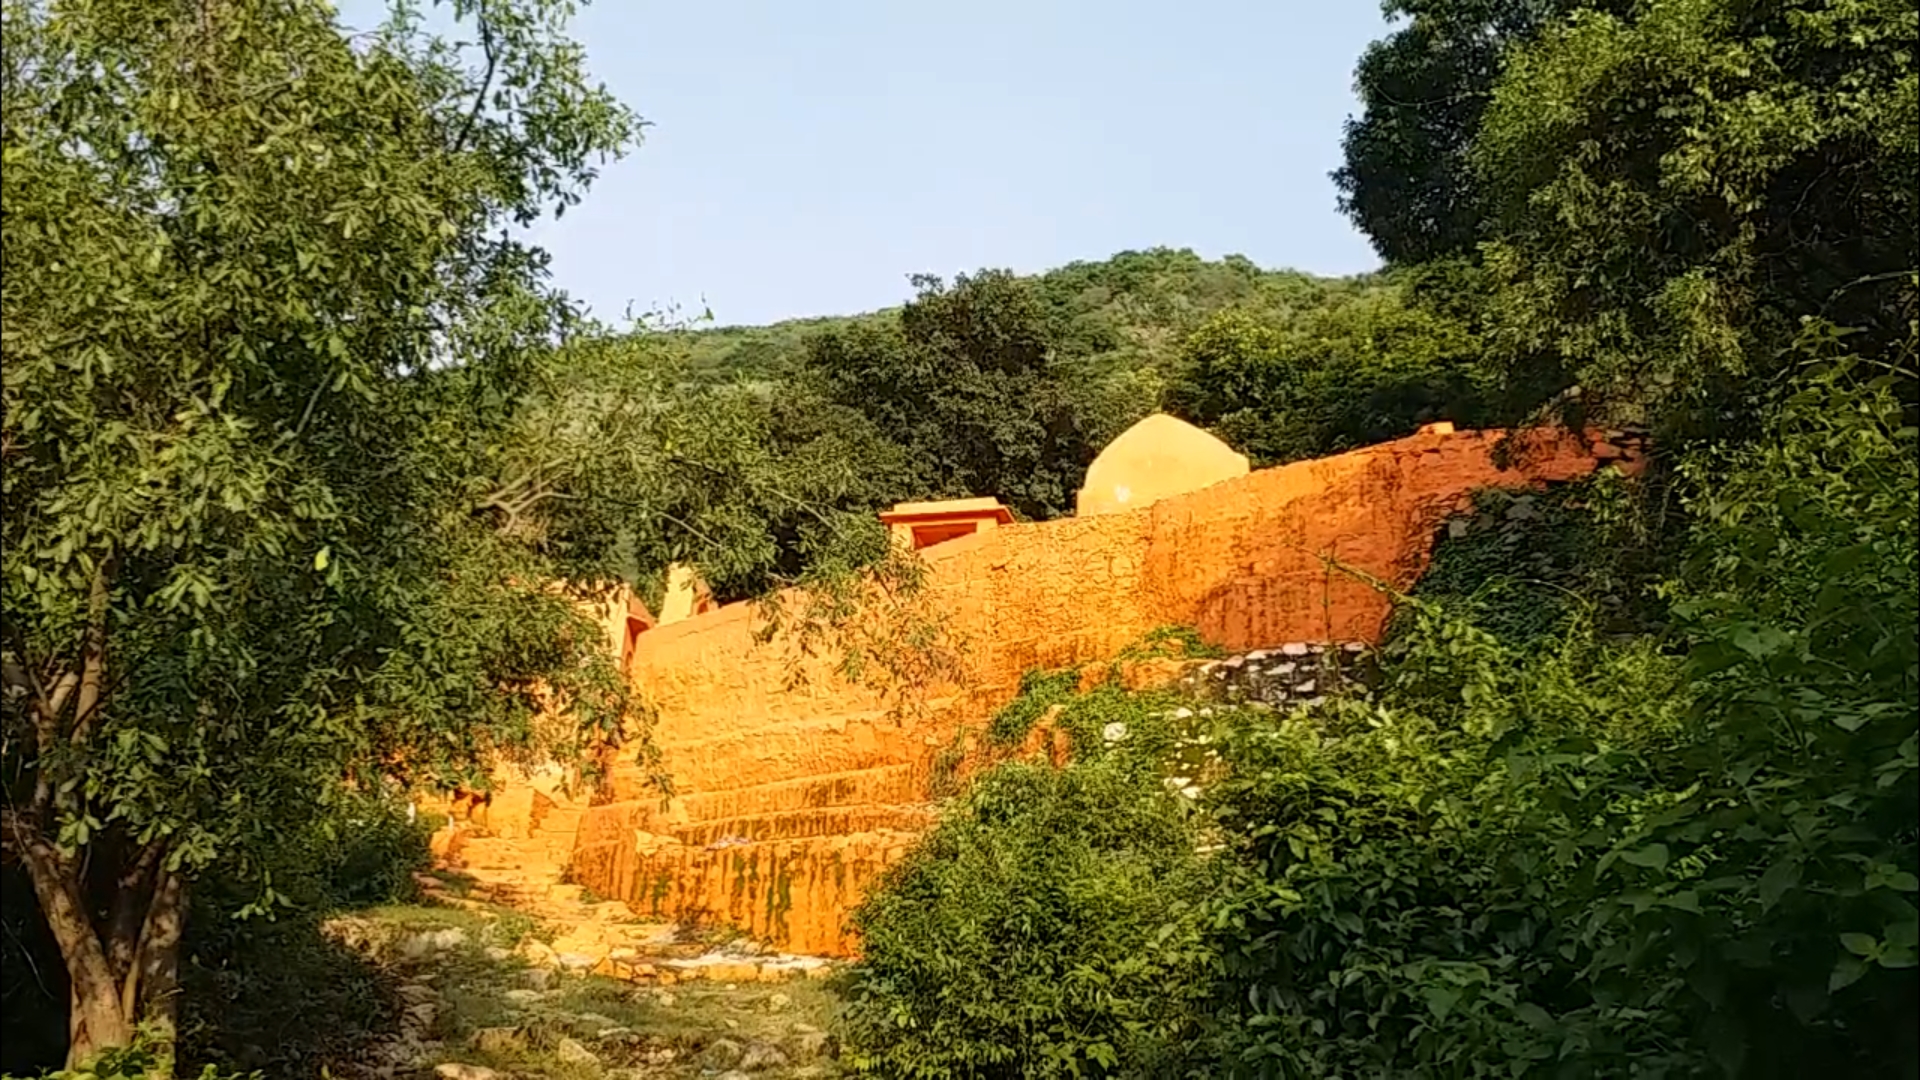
<point x="788" y="801"/>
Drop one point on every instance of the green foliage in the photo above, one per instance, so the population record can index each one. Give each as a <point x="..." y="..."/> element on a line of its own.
<point x="273" y="511"/>
<point x="1041" y="930"/>
<point x="1389" y="914"/>
<point x="1602" y="857"/>
<point x="1523" y="564"/>
<point x="1171" y="642"/>
<point x="1664" y="196"/>
<point x="147" y="1057"/>
<point x="1405" y="179"/>
<point x="970" y="386"/>
<point x="1039" y="691"/>
<point x="1365" y="368"/>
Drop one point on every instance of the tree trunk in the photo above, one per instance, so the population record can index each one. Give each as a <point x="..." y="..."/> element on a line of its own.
<point x="96" y="1021"/>
<point x="125" y="972"/>
<point x="151" y="993"/>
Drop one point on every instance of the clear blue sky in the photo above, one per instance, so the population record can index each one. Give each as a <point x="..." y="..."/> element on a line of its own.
<point x="806" y="157"/>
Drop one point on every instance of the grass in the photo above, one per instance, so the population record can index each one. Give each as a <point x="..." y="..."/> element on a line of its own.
<point x="494" y="1009"/>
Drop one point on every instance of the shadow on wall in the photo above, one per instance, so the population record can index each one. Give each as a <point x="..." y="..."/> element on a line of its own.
<point x="790" y="797"/>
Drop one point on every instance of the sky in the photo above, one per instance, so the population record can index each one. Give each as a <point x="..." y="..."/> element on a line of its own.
<point x="805" y="158"/>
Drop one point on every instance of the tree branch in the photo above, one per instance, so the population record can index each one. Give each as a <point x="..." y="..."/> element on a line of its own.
<point x="486" y="83"/>
<point x="94" y="662"/>
<point x="129" y="906"/>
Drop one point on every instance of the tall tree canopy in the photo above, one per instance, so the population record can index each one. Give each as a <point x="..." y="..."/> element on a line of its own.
<point x="971" y="386"/>
<point x="1672" y="193"/>
<point x="270" y="515"/>
<point x="1406" y="181"/>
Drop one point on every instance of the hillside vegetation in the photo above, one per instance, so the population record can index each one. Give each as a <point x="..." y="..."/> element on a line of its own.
<point x="297" y="438"/>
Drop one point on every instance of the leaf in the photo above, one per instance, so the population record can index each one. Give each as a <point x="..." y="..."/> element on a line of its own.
<point x="1780" y="877"/>
<point x="1651" y="857"/>
<point x="1533" y="1016"/>
<point x="321" y="558"/>
<point x="1761" y="642"/>
<point x="1860" y="944"/>
<point x="1845" y="973"/>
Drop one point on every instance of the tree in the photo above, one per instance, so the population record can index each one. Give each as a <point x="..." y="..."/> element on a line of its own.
<point x="264" y="338"/>
<point x="970" y="383"/>
<point x="1670" y="196"/>
<point x="1405" y="180"/>
<point x="1359" y="370"/>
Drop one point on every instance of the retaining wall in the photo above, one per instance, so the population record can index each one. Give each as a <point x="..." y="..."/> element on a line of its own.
<point x="790" y="799"/>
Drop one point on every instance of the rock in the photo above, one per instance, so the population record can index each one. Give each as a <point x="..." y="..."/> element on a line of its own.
<point x="778" y="1001"/>
<point x="759" y="1056"/>
<point x="454" y="1070"/>
<point x="722" y="1054"/>
<point x="664" y="999"/>
<point x="537" y="952"/>
<point x="1294" y="648"/>
<point x="431" y="942"/>
<point x="807" y="1042"/>
<point x="578" y="963"/>
<point x="570" y="1051"/>
<point x="537" y="977"/>
<point x="499" y="955"/>
<point x="522" y="996"/>
<point x="499" y="1040"/>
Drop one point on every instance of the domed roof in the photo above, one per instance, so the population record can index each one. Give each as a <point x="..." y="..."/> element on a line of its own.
<point x="1155" y="459"/>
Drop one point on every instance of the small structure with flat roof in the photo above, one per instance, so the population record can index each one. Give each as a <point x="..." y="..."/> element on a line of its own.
<point x="916" y="525"/>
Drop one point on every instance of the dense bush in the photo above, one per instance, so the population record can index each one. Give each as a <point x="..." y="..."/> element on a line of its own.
<point x="1362" y="369"/>
<point x="255" y="979"/>
<point x="1041" y="929"/>
<point x="1522" y="563"/>
<point x="1615" y="857"/>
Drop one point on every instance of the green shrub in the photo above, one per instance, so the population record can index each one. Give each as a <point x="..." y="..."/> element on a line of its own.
<point x="147" y="1057"/>
<point x="1043" y="928"/>
<point x="257" y="972"/>
<point x="1688" y="855"/>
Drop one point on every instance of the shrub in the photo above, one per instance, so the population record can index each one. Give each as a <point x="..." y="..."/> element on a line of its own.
<point x="1690" y="855"/>
<point x="1043" y="928"/>
<point x="257" y="973"/>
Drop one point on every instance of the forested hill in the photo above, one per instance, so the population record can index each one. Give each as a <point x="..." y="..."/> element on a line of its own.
<point x="1138" y="303"/>
<point x="1005" y="385"/>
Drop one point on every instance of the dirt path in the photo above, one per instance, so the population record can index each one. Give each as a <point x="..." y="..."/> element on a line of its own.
<point x="562" y="986"/>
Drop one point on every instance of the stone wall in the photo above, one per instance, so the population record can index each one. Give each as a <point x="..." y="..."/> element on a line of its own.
<point x="788" y="800"/>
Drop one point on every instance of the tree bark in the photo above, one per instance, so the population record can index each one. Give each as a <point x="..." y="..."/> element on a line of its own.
<point x="151" y="993"/>
<point x="96" y="1021"/>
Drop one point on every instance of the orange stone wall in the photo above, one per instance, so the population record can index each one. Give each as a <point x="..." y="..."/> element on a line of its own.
<point x="789" y="800"/>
